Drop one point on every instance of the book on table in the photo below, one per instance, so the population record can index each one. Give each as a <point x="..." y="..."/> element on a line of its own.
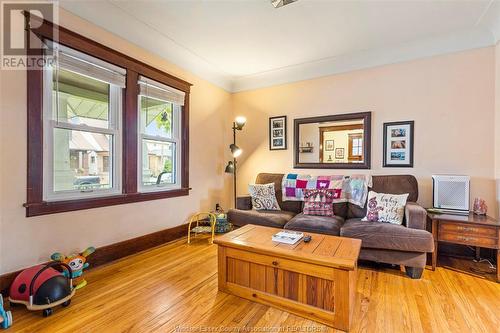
<point x="287" y="237"/>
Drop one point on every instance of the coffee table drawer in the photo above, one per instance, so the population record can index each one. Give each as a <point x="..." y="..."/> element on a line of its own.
<point x="468" y="239"/>
<point x="282" y="263"/>
<point x="465" y="229"/>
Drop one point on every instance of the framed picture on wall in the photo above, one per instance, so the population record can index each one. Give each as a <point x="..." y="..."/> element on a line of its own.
<point x="398" y="144"/>
<point x="329" y="144"/>
<point x="339" y="153"/>
<point x="277" y="133"/>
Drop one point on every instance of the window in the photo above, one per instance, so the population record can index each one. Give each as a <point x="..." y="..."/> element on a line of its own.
<point x="82" y="126"/>
<point x="159" y="135"/>
<point x="355" y="147"/>
<point x="114" y="130"/>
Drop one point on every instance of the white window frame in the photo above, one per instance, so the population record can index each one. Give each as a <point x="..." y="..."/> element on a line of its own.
<point x="50" y="124"/>
<point x="359" y="147"/>
<point x="176" y="139"/>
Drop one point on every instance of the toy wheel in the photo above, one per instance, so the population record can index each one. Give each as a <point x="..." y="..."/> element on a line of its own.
<point x="47" y="312"/>
<point x="67" y="303"/>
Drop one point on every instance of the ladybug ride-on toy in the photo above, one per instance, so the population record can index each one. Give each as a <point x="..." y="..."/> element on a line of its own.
<point x="42" y="287"/>
<point x="5" y="316"/>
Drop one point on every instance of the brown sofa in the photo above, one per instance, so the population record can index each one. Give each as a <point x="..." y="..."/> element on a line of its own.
<point x="405" y="244"/>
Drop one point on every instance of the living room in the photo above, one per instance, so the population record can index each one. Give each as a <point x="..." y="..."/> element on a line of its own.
<point x="158" y="111"/>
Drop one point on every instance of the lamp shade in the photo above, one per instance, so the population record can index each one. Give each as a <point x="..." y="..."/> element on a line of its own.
<point x="235" y="150"/>
<point x="229" y="167"/>
<point x="240" y="122"/>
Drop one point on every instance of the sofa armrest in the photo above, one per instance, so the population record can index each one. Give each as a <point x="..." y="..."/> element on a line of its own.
<point x="416" y="216"/>
<point x="244" y="203"/>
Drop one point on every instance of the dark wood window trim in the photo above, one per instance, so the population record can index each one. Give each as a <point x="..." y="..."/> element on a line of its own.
<point x="34" y="204"/>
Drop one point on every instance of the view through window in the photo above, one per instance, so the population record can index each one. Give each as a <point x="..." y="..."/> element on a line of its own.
<point x="159" y="139"/>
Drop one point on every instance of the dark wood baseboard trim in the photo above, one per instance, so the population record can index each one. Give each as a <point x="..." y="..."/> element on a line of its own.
<point x="109" y="253"/>
<point x="125" y="248"/>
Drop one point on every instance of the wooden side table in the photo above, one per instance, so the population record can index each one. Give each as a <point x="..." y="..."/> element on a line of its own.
<point x="472" y="230"/>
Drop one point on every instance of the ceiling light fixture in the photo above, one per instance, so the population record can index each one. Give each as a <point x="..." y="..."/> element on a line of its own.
<point x="281" y="3"/>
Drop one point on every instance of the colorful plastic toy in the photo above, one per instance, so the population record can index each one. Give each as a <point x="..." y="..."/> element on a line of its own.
<point x="77" y="262"/>
<point x="42" y="287"/>
<point x="5" y="316"/>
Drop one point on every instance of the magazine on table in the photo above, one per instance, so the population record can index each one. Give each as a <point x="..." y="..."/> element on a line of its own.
<point x="287" y="237"/>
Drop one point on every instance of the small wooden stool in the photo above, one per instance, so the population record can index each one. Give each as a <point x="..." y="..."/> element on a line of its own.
<point x="202" y="218"/>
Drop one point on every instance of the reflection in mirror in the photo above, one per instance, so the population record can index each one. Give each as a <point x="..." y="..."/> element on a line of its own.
<point x="333" y="141"/>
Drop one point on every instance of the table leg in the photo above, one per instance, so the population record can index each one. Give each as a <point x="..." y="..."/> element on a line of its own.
<point x="498" y="255"/>
<point x="498" y="265"/>
<point x="435" y="236"/>
<point x="478" y="253"/>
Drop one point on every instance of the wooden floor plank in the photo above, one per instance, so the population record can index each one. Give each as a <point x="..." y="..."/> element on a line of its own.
<point x="173" y="288"/>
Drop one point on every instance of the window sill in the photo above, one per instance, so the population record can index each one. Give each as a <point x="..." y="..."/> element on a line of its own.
<point x="45" y="208"/>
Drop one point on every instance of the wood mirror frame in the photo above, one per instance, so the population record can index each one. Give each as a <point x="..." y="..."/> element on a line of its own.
<point x="365" y="116"/>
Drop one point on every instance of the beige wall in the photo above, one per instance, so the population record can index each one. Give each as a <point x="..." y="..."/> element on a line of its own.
<point x="27" y="241"/>
<point x="497" y="123"/>
<point x="450" y="97"/>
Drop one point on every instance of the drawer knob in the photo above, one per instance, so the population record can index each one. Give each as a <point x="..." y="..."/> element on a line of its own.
<point x="275" y="263"/>
<point x="254" y="295"/>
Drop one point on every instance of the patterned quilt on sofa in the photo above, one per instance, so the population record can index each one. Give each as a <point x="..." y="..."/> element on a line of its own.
<point x="353" y="189"/>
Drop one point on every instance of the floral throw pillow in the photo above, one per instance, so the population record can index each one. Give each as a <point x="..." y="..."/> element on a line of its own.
<point x="263" y="197"/>
<point x="386" y="207"/>
<point x="320" y="201"/>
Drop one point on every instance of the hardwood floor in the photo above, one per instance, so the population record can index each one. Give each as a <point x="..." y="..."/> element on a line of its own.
<point x="173" y="288"/>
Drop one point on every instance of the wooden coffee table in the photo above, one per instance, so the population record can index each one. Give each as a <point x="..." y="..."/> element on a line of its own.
<point x="315" y="280"/>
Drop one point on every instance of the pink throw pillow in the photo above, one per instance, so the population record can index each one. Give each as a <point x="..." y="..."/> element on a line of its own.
<point x="320" y="201"/>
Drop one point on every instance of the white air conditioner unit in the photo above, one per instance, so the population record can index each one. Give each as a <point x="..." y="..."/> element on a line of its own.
<point x="451" y="193"/>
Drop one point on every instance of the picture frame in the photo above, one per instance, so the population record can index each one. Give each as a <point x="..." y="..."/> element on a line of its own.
<point x="398" y="144"/>
<point x="277" y="133"/>
<point x="339" y="153"/>
<point x="329" y="145"/>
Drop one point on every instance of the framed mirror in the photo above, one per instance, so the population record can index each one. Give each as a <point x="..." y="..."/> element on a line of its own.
<point x="340" y="141"/>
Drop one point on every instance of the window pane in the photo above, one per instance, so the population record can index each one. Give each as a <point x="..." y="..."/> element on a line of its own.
<point x="82" y="100"/>
<point x="156" y="117"/>
<point x="158" y="162"/>
<point x="81" y="160"/>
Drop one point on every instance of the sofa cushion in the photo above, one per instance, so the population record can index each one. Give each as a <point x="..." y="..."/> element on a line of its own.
<point x="384" y="207"/>
<point x="269" y="218"/>
<point x="380" y="235"/>
<point x="319" y="201"/>
<point x="393" y="184"/>
<point x="329" y="225"/>
<point x="263" y="196"/>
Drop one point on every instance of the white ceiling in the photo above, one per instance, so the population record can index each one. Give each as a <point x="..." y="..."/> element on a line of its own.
<point x="241" y="45"/>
